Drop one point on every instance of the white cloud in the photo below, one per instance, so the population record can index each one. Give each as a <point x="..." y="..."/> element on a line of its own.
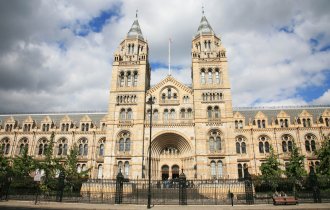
<point x="324" y="99"/>
<point x="266" y="66"/>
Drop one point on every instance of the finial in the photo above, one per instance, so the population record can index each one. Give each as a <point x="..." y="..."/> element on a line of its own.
<point x="202" y="9"/>
<point x="136" y="13"/>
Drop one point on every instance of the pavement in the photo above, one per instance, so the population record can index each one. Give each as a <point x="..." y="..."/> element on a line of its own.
<point x="20" y="205"/>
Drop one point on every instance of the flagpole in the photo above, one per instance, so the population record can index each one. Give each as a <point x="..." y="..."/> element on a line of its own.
<point x="169" y="57"/>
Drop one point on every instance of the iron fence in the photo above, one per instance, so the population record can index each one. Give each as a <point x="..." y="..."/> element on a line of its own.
<point x="167" y="192"/>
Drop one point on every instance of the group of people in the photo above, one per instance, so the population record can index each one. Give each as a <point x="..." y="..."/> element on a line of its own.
<point x="279" y="194"/>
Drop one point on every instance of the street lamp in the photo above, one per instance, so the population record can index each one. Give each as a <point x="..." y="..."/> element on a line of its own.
<point x="150" y="101"/>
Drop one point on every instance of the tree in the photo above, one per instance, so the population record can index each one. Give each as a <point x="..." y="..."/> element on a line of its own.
<point x="295" y="168"/>
<point x="23" y="165"/>
<point x="73" y="177"/>
<point x="50" y="165"/>
<point x="270" y="170"/>
<point x="5" y="169"/>
<point x="323" y="155"/>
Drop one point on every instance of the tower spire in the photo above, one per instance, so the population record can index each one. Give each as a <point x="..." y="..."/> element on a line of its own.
<point x="135" y="31"/>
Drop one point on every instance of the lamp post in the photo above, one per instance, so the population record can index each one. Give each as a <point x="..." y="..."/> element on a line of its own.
<point x="150" y="102"/>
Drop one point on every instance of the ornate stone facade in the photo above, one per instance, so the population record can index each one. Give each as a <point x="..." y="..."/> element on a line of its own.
<point x="194" y="128"/>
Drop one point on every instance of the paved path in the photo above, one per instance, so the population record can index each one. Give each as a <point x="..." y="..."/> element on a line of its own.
<point x="20" y="205"/>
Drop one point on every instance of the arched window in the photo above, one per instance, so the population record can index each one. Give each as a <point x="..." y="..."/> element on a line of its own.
<point x="209" y="112"/>
<point x="172" y="114"/>
<point x="129" y="114"/>
<point x="42" y="146"/>
<point x="83" y="127"/>
<point x="165" y="114"/>
<point x="62" y="146"/>
<point x="243" y="145"/>
<point x="287" y="141"/>
<point x="310" y="144"/>
<point x="83" y="146"/>
<point x="127" y="144"/>
<point x="122" y="114"/>
<point x="129" y="79"/>
<point x="209" y="73"/>
<point x="100" y="171"/>
<point x="135" y="79"/>
<point x="327" y="122"/>
<point x="85" y="149"/>
<point x="101" y="147"/>
<point x="155" y="115"/>
<point x="163" y="97"/>
<point x="121" y="144"/>
<point x="126" y="174"/>
<point x="124" y="141"/>
<point x="218" y="143"/>
<point x="169" y="93"/>
<point x="216" y="112"/>
<point x="267" y="147"/>
<point x="217" y="76"/>
<point x="203" y="76"/>
<point x="22" y="145"/>
<point x="261" y="147"/>
<point x="121" y="79"/>
<point x="120" y="166"/>
<point x="220" y="168"/>
<point x="182" y="113"/>
<point x="211" y="144"/>
<point x="284" y="146"/>
<point x="87" y="127"/>
<point x="215" y="141"/>
<point x="240" y="145"/>
<point x="264" y="146"/>
<point x="240" y="171"/>
<point x="189" y="113"/>
<point x="213" y="169"/>
<point x="238" y="148"/>
<point x="5" y="145"/>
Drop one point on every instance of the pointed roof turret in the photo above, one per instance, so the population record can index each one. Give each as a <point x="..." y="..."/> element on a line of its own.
<point x="204" y="26"/>
<point x="135" y="31"/>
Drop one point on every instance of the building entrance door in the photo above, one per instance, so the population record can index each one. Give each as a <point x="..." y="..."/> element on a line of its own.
<point x="175" y="171"/>
<point x="165" y="172"/>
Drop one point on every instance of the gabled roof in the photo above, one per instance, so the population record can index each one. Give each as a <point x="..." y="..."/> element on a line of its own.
<point x="167" y="79"/>
<point x="28" y="119"/>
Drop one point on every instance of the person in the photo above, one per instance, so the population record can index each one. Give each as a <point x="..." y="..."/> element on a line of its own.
<point x="276" y="194"/>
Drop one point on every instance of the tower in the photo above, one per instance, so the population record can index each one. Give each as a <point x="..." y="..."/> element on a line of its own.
<point x="212" y="103"/>
<point x="125" y="128"/>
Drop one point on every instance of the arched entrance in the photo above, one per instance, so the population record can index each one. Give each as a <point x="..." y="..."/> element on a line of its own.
<point x="165" y="172"/>
<point x="170" y="152"/>
<point x="175" y="171"/>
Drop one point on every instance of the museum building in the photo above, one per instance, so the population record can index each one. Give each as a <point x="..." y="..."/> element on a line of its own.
<point x="195" y="128"/>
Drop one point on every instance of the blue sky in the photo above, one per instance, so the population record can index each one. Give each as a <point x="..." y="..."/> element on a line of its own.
<point x="60" y="53"/>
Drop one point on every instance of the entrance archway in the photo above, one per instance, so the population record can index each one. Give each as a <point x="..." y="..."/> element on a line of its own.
<point x="175" y="171"/>
<point x="165" y="172"/>
<point x="169" y="151"/>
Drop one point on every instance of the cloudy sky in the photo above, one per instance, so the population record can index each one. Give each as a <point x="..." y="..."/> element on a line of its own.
<point x="56" y="55"/>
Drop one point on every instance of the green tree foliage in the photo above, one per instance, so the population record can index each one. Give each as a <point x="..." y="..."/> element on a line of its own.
<point x="323" y="155"/>
<point x="270" y="170"/>
<point x="50" y="165"/>
<point x="73" y="177"/>
<point x="295" y="168"/>
<point x="23" y="165"/>
<point x="5" y="168"/>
